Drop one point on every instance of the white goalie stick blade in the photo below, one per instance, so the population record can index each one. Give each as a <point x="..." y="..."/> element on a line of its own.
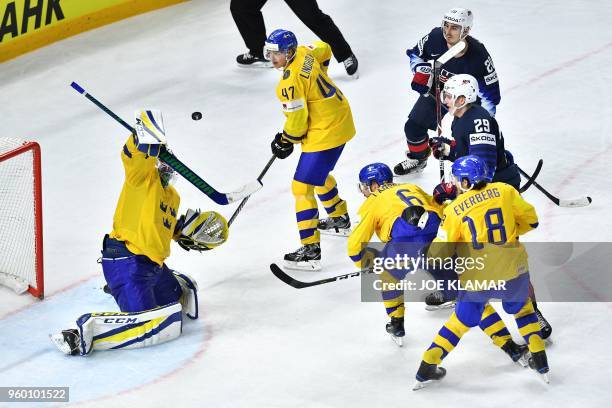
<point x="451" y="53"/>
<point x="309" y="266"/>
<point x="244" y="191"/>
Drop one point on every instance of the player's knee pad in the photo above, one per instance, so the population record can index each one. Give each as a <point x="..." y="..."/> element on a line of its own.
<point x="301" y="190"/>
<point x="122" y="330"/>
<point x="415" y="133"/>
<point x="469" y="313"/>
<point x="189" y="299"/>
<point x="520" y="308"/>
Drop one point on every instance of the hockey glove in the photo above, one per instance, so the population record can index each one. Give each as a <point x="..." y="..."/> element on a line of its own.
<point x="281" y="148"/>
<point x="423" y="78"/>
<point x="444" y="191"/>
<point x="202" y="231"/>
<point x="443" y="148"/>
<point x="150" y="132"/>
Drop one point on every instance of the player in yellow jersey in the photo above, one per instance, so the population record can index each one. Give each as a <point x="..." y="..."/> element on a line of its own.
<point x="407" y="219"/>
<point x="396" y="213"/>
<point x="483" y="224"/>
<point x="150" y="295"/>
<point x="318" y="117"/>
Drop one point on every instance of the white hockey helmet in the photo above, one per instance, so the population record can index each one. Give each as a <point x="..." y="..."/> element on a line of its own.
<point x="461" y="85"/>
<point x="461" y="17"/>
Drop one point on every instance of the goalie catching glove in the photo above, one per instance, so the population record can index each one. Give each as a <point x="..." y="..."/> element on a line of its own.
<point x="201" y="231"/>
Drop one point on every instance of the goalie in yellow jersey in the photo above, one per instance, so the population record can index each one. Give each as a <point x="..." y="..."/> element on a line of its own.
<point x="151" y="296"/>
<point x="318" y="117"/>
<point x="483" y="225"/>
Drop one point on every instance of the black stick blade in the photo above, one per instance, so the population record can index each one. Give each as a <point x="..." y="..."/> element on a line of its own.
<point x="280" y="274"/>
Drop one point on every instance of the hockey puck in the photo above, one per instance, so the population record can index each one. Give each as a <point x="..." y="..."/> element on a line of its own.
<point x="196" y="115"/>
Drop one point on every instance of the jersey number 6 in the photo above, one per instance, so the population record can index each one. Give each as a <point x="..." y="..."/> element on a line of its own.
<point x="410" y="200"/>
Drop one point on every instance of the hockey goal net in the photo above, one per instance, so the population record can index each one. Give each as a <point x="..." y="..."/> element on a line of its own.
<point x="21" y="250"/>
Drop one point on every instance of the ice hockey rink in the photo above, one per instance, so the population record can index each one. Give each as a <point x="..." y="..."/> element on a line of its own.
<point x="259" y="342"/>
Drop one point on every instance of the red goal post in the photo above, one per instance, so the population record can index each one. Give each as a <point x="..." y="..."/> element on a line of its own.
<point x="21" y="240"/>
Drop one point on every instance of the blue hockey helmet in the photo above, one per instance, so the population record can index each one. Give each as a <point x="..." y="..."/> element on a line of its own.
<point x="379" y="172"/>
<point x="280" y="41"/>
<point x="472" y="168"/>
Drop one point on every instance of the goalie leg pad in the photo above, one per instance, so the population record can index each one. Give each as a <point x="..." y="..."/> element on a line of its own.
<point x="189" y="299"/>
<point x="122" y="330"/>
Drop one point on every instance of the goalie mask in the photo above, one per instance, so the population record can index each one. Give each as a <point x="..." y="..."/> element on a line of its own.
<point x="202" y="231"/>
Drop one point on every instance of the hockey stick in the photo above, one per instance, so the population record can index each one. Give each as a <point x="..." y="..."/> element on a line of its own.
<point x="280" y="274"/>
<point x="172" y="161"/>
<point x="443" y="59"/>
<point x="575" y="202"/>
<point x="531" y="179"/>
<point x="245" y="199"/>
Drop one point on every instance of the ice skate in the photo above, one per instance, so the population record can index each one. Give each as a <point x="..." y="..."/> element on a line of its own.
<point x="351" y="64"/>
<point x="539" y="362"/>
<point x="411" y="165"/>
<point x="518" y="353"/>
<point x="545" y="327"/>
<point x="306" y="258"/>
<point x="395" y="328"/>
<point x="248" y="60"/>
<point x="427" y="374"/>
<point x="435" y="301"/>
<point x="67" y="341"/>
<point x="339" y="226"/>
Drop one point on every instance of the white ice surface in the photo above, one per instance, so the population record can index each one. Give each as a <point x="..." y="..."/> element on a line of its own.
<point x="259" y="342"/>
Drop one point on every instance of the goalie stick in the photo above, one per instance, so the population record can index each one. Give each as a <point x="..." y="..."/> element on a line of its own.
<point x="280" y="274"/>
<point x="567" y="203"/>
<point x="244" y="200"/>
<point x="178" y="166"/>
<point x="444" y="58"/>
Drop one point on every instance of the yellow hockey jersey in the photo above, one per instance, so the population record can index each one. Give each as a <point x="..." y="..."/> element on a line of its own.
<point x="146" y="213"/>
<point x="317" y="113"/>
<point x="484" y="225"/>
<point x="380" y="210"/>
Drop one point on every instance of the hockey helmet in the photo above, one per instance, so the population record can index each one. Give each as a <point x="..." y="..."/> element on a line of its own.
<point x="461" y="17"/>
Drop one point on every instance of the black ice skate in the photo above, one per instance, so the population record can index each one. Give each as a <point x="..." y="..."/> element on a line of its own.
<point x="427" y="374"/>
<point x="436" y="301"/>
<point x="519" y="353"/>
<point x="306" y="258"/>
<point x="351" y="64"/>
<point x="396" y="329"/>
<point x="335" y="226"/>
<point x="539" y="362"/>
<point x="545" y="327"/>
<point x="412" y="165"/>
<point x="67" y="341"/>
<point x="248" y="60"/>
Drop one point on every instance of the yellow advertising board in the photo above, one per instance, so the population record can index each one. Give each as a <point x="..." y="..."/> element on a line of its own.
<point x="29" y="24"/>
